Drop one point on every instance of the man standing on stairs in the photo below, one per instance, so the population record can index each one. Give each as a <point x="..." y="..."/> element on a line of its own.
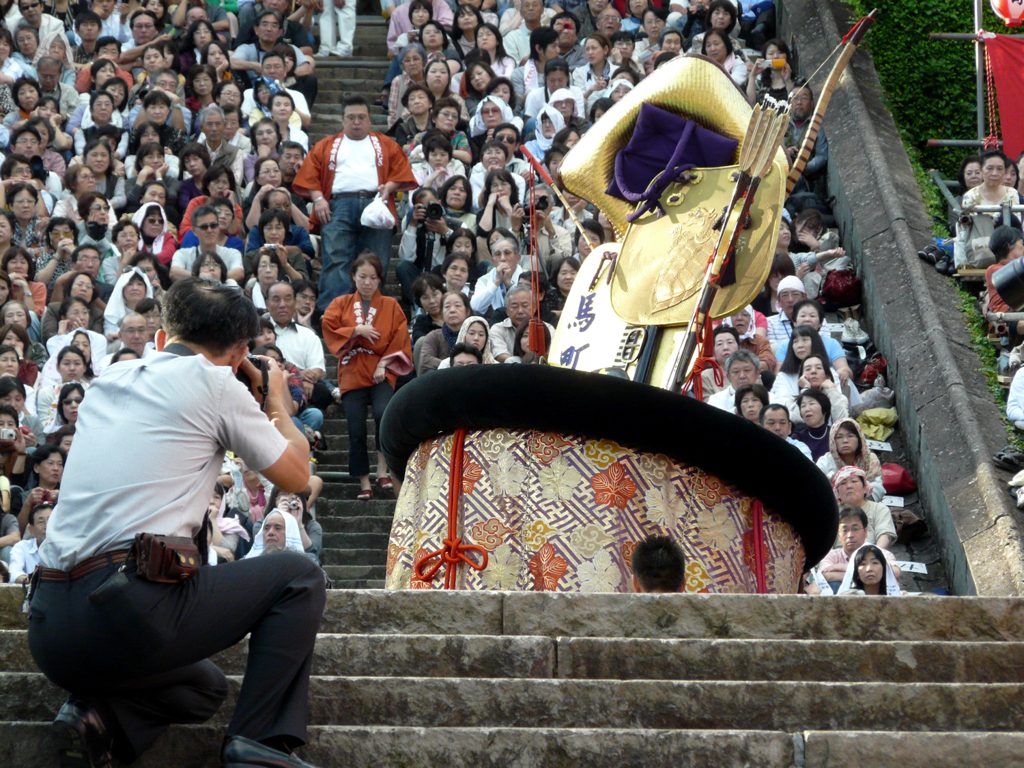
<point x="130" y="640"/>
<point x="342" y="174"/>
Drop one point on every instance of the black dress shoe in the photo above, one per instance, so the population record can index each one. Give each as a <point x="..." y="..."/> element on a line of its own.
<point x="81" y="737"/>
<point x="240" y="752"/>
<point x="945" y="265"/>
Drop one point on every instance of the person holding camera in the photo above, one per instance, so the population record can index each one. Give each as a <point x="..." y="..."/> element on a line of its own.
<point x="130" y="636"/>
<point x="423" y="242"/>
<point x="553" y="242"/>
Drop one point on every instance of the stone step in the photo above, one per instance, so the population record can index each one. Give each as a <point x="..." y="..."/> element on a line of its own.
<point x="373" y="747"/>
<point x="669" y="705"/>
<point x="359" y="572"/>
<point x="349" y="508"/>
<point x="357" y="523"/>
<point x="740" y="617"/>
<point x="566" y="658"/>
<point x="375" y="556"/>
<point x="358" y="584"/>
<point x="362" y="540"/>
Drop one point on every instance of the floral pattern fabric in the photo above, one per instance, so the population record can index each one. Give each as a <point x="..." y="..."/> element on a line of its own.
<point x="564" y="513"/>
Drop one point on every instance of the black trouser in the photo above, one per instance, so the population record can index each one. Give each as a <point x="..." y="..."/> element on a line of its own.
<point x="356" y="402"/>
<point x="307" y="86"/>
<point x="141" y="659"/>
<point x="322" y="397"/>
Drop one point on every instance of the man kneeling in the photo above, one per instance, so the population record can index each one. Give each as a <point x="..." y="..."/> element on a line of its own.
<point x="133" y="650"/>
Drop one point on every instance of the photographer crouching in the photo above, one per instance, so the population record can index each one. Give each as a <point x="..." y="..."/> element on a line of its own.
<point x="122" y="615"/>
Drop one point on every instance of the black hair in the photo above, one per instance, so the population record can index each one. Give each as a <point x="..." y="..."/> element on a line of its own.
<point x="67" y="303"/>
<point x="202" y="258"/>
<point x="71" y="348"/>
<point x="463" y="348"/>
<point x="791" y="364"/>
<point x="821" y="398"/>
<point x="772" y="407"/>
<point x="212" y="316"/>
<point x="847" y="511"/>
<point x="279" y="216"/>
<point x="1002" y="240"/>
<point x="572" y="261"/>
<point x="659" y="564"/>
<point x="809" y="303"/>
<point x="425" y="282"/>
<point x="541" y="38"/>
<point x="65" y="393"/>
<point x="86" y="17"/>
<point x="566" y="15"/>
<point x="354" y="101"/>
<point x="726" y="329"/>
<point x="498" y="81"/>
<point x="863" y="552"/>
<point x="759" y="392"/>
<point x="825" y="364"/>
<point x="57" y="221"/>
<point x="122" y="353"/>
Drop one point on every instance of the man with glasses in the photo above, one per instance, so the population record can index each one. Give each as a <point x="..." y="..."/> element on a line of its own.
<point x="206" y="225"/>
<point x="144" y="31"/>
<point x="342" y="174"/>
<point x="249" y="57"/>
<point x="112" y="24"/>
<point x="32" y="14"/>
<point x="87" y="259"/>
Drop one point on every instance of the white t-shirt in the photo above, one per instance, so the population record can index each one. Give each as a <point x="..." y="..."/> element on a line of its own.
<point x="300" y="346"/>
<point x="167" y="463"/>
<point x="185" y="258"/>
<point x="357" y="167"/>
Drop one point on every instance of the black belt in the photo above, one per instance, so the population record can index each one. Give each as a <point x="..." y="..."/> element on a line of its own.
<point x="84" y="568"/>
<point x="336" y="195"/>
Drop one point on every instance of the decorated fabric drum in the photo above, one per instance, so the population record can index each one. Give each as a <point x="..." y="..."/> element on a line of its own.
<point x="563" y="513"/>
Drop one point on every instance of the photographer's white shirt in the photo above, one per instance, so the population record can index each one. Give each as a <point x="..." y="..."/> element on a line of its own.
<point x="182" y="414"/>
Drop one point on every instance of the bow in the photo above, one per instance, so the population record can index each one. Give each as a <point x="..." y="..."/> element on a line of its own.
<point x="849" y="43"/>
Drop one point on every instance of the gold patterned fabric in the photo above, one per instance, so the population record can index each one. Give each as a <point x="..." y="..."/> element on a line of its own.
<point x="563" y="513"/>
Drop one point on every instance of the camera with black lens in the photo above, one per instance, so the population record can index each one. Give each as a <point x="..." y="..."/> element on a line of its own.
<point x="543" y="203"/>
<point x="259" y="392"/>
<point x="38" y="169"/>
<point x="435" y="212"/>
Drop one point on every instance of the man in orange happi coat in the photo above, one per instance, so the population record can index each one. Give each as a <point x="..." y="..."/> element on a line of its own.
<point x="342" y="174"/>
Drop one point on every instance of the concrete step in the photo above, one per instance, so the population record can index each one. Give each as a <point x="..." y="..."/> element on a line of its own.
<point x="357" y="523"/>
<point x="358" y="584"/>
<point x="362" y="540"/>
<point x="373" y="655"/>
<point x="669" y="705"/>
<point x="360" y="572"/>
<point x="740" y="617"/>
<point x="352" y="508"/>
<point x="372" y="747"/>
<point x="375" y="556"/>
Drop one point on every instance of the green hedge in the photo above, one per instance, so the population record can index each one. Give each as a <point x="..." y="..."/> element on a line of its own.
<point x="929" y="85"/>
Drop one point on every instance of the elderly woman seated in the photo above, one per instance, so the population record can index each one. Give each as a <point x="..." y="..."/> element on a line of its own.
<point x="852" y="488"/>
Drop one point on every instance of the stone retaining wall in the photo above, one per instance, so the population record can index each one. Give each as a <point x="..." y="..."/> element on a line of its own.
<point x="948" y="418"/>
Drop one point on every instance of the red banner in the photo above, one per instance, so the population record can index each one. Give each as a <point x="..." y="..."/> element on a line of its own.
<point x="1007" y="56"/>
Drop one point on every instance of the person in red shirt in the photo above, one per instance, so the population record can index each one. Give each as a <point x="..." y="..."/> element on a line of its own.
<point x="1006" y="244"/>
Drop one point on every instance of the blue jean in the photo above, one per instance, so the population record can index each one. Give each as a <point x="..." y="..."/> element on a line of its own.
<point x="344" y="238"/>
<point x="312" y="418"/>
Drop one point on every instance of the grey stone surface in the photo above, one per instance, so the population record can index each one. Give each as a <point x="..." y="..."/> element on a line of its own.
<point x="948" y="420"/>
<point x="375" y="655"/>
<point x="26" y="745"/>
<point x="759" y="616"/>
<point x="807" y="660"/>
<point x="691" y="705"/>
<point x="913" y="750"/>
<point x="415" y="612"/>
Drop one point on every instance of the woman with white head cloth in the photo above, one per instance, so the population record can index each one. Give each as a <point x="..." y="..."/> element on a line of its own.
<point x="476" y="331"/>
<point x="869" y="573"/>
<point x="94" y="344"/>
<point x="567" y="104"/>
<point x="754" y="336"/>
<point x="131" y="287"/>
<point x="549" y="122"/>
<point x="278" y="533"/>
<point x="154" y="236"/>
<point x="477" y="127"/>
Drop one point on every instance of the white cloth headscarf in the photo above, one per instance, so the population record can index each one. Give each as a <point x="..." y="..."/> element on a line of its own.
<point x="116" y="309"/>
<point x="564" y="94"/>
<point x="158" y="242"/>
<point x="293" y="540"/>
<point x="49" y="375"/>
<point x="477" y="127"/>
<point x="545" y="142"/>
<point x="44" y="49"/>
<point x="488" y="355"/>
<point x="892" y="586"/>
<point x="751" y="329"/>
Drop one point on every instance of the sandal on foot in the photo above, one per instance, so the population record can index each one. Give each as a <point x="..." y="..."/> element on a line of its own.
<point x="385" y="484"/>
<point x="365" y="495"/>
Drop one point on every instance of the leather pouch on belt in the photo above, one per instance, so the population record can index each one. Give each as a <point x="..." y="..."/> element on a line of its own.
<point x="166" y="559"/>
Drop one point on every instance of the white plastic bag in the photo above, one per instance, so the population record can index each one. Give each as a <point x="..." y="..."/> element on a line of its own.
<point x="377" y="215"/>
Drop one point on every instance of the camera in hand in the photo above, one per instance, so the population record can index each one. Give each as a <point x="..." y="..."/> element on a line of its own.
<point x="543" y="203"/>
<point x="8" y="434"/>
<point x="435" y="211"/>
<point x="260" y="392"/>
<point x="38" y="170"/>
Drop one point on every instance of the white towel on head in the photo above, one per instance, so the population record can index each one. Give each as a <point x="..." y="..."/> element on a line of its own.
<point x="293" y="540"/>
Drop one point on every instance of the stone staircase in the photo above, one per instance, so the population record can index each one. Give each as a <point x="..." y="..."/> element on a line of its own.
<point x="421" y="678"/>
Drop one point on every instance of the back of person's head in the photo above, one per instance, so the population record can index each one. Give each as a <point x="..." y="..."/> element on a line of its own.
<point x="463" y="348"/>
<point x="215" y="317"/>
<point x="1002" y="241"/>
<point x="658" y="565"/>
